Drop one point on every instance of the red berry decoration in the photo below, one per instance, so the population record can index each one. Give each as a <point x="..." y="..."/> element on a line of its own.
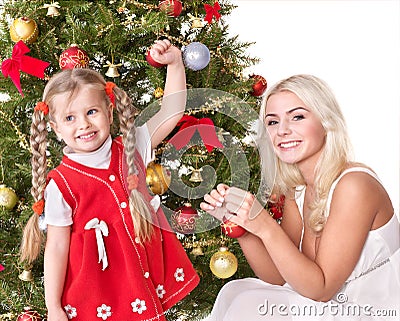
<point x="172" y="7"/>
<point x="151" y="61"/>
<point x="29" y="315"/>
<point x="259" y="86"/>
<point x="73" y="57"/>
<point x="231" y="229"/>
<point x="184" y="219"/>
<point x="276" y="206"/>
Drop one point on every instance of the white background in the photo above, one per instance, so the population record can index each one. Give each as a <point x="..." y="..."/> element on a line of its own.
<point x="354" y="46"/>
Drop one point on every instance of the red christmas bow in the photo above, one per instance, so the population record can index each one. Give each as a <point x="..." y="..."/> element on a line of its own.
<point x="188" y="126"/>
<point x="20" y="62"/>
<point x="212" y="11"/>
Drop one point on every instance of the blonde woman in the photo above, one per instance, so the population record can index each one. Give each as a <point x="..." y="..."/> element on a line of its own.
<point x="335" y="255"/>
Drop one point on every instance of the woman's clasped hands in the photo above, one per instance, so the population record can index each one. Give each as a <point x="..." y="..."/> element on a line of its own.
<point x="238" y="206"/>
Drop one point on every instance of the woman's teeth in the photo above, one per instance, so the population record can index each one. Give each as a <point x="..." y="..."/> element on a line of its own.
<point x="289" y="144"/>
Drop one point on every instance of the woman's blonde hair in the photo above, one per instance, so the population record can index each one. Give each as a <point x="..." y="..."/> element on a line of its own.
<point x="317" y="96"/>
<point x="70" y="81"/>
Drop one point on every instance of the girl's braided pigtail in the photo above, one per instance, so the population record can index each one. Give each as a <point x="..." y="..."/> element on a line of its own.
<point x="32" y="236"/>
<point x="139" y="207"/>
<point x="140" y="211"/>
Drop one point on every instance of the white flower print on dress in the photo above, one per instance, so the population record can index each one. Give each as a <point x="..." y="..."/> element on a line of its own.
<point x="138" y="306"/>
<point x="71" y="311"/>
<point x="160" y="291"/>
<point x="104" y="311"/>
<point x="179" y="275"/>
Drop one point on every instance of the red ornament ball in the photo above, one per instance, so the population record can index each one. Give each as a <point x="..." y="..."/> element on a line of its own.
<point x="231" y="229"/>
<point x="184" y="218"/>
<point x="259" y="86"/>
<point x="29" y="315"/>
<point x="151" y="61"/>
<point x="73" y="57"/>
<point x="172" y="7"/>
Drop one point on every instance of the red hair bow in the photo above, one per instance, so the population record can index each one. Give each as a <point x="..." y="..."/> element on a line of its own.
<point x="109" y="91"/>
<point x="133" y="181"/>
<point x="42" y="106"/>
<point x="38" y="207"/>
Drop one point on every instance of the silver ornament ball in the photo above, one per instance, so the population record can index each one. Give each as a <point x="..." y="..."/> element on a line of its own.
<point x="196" y="56"/>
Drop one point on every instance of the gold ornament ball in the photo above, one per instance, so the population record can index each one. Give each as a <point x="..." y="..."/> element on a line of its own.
<point x="223" y="264"/>
<point x="8" y="198"/>
<point x="159" y="92"/>
<point x="158" y="178"/>
<point x="24" y="29"/>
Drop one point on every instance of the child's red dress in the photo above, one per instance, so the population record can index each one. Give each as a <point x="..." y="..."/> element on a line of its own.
<point x="123" y="280"/>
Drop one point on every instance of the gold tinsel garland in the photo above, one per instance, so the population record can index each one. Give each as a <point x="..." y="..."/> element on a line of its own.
<point x="23" y="142"/>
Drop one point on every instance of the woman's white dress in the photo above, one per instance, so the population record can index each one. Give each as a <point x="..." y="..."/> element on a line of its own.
<point x="371" y="292"/>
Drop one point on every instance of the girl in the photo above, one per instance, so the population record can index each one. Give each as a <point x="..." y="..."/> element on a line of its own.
<point x="106" y="255"/>
<point x="335" y="254"/>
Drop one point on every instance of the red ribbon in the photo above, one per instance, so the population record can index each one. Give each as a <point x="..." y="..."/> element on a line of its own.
<point x="20" y="62"/>
<point x="188" y="126"/>
<point x="212" y="11"/>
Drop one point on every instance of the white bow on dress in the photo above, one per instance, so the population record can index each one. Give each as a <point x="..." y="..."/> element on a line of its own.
<point x="101" y="229"/>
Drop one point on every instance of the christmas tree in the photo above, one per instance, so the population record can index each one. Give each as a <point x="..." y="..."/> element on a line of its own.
<point x="113" y="37"/>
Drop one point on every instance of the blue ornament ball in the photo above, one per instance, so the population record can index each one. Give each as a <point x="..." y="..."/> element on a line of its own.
<point x="196" y="56"/>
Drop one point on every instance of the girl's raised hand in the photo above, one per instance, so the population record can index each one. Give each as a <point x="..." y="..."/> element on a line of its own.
<point x="165" y="53"/>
